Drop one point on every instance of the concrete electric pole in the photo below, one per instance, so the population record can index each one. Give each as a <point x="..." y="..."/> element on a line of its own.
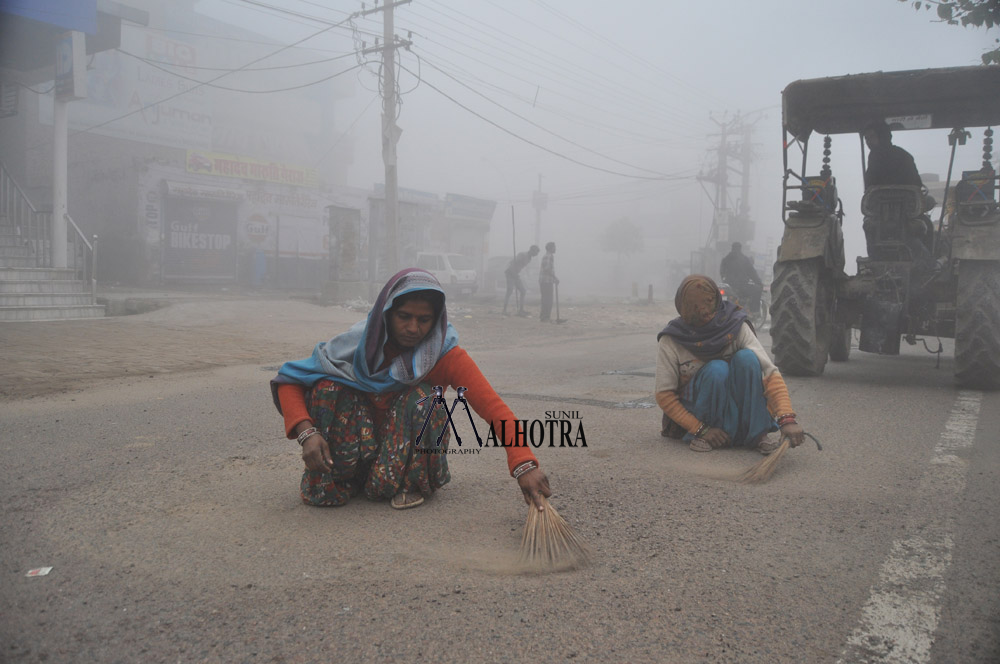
<point x="540" y="201"/>
<point x="390" y="132"/>
<point x="730" y="223"/>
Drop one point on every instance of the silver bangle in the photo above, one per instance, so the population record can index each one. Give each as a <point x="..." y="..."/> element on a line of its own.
<point x="302" y="437"/>
<point x="525" y="467"/>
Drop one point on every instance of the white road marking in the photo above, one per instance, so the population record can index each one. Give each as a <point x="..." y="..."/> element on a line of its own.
<point x="899" y="620"/>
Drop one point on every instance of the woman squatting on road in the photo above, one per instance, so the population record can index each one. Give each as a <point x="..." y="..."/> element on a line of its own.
<point x="353" y="405"/>
<point x="715" y="383"/>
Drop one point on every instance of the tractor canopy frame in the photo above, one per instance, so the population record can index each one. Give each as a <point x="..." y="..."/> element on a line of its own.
<point x="948" y="98"/>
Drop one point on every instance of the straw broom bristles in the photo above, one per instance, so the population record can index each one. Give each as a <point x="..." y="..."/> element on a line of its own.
<point x="549" y="543"/>
<point x="763" y="469"/>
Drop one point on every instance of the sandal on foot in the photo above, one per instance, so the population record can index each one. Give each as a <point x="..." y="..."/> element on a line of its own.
<point x="700" y="445"/>
<point x="768" y="445"/>
<point x="405" y="500"/>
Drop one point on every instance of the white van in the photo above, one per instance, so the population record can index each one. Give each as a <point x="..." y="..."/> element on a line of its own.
<point x="457" y="273"/>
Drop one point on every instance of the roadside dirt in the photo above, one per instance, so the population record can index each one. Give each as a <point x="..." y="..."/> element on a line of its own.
<point x="40" y="358"/>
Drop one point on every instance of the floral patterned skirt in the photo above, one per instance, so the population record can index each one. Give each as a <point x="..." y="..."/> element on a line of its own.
<point x="373" y="449"/>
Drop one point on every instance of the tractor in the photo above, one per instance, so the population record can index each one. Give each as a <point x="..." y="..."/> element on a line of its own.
<point x="933" y="267"/>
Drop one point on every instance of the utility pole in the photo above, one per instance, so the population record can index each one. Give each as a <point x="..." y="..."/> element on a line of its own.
<point x="540" y="201"/>
<point x="722" y="185"/>
<point x="390" y="132"/>
<point x="729" y="224"/>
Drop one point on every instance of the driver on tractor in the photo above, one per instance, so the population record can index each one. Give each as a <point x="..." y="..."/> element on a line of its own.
<point x="891" y="165"/>
<point x="737" y="270"/>
<point x="888" y="164"/>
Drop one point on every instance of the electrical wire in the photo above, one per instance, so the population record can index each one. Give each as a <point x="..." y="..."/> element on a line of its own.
<point x="204" y="83"/>
<point x="593" y="86"/>
<point x="548" y="131"/>
<point x="329" y="150"/>
<point x="635" y="58"/>
<point x="231" y="69"/>
<point x="561" y="114"/>
<point x="223" y="87"/>
<point x="617" y="85"/>
<point x="37" y="92"/>
<point x="542" y="147"/>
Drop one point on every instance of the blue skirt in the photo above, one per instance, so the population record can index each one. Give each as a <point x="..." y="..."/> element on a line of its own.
<point x="730" y="396"/>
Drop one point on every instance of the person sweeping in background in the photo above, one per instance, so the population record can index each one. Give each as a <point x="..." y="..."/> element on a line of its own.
<point x="514" y="283"/>
<point x="715" y="383"/>
<point x="353" y="405"/>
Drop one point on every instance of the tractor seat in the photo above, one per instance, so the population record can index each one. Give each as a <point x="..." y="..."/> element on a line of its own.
<point x="902" y="200"/>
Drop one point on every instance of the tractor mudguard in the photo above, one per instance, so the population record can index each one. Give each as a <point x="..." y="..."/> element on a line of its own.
<point x="979" y="241"/>
<point x="811" y="236"/>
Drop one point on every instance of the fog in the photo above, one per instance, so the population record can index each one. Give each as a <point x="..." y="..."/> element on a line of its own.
<point x="613" y="110"/>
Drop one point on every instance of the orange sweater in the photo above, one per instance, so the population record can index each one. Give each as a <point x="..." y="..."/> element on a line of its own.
<point x="775" y="392"/>
<point x="455" y="369"/>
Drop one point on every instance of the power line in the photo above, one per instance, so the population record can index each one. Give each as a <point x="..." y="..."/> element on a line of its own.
<point x="535" y="124"/>
<point x="150" y="61"/>
<point x="223" y="87"/>
<point x="271" y="10"/>
<point x="37" y="92"/>
<point x="542" y="147"/>
<point x="563" y="114"/>
<point x="560" y="74"/>
<point x="329" y="150"/>
<point x="204" y="83"/>
<point x="577" y="102"/>
<point x="656" y="103"/>
<point x="626" y="52"/>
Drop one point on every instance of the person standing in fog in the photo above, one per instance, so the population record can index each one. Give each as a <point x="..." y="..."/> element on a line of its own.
<point x="513" y="275"/>
<point x="547" y="281"/>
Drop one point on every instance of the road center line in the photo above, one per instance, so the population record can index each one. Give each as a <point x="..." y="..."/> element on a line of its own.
<point x="902" y="613"/>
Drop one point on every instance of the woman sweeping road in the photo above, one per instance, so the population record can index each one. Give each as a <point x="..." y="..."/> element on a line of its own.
<point x="715" y="383"/>
<point x="353" y="405"/>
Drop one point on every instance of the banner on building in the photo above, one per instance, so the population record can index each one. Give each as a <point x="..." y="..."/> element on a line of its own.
<point x="247" y="168"/>
<point x="467" y="207"/>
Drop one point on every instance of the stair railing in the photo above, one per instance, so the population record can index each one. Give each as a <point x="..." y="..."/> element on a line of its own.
<point x="83" y="256"/>
<point x="34" y="228"/>
<point x="31" y="226"/>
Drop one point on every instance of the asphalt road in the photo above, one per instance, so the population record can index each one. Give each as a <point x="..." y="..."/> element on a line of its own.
<point x="165" y="500"/>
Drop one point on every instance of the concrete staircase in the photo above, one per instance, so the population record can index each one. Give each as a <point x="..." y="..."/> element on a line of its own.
<point x="29" y="292"/>
<point x="38" y="293"/>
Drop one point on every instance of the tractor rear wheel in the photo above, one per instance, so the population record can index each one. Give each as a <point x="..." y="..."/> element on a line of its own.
<point x="801" y="316"/>
<point x="977" y="325"/>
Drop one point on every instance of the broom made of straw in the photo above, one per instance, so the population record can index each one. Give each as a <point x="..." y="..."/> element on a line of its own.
<point x="763" y="469"/>
<point x="549" y="542"/>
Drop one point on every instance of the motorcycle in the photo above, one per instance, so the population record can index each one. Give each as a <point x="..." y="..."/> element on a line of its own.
<point x="744" y="297"/>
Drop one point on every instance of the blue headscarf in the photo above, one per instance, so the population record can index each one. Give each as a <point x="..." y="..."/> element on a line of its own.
<point x="354" y="357"/>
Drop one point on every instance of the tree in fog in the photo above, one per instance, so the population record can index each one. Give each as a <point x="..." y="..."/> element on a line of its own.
<point x="975" y="13"/>
<point x="623" y="238"/>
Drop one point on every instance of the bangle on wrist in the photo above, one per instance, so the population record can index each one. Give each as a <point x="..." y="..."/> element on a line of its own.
<point x="523" y="468"/>
<point x="787" y="418"/>
<point x="302" y="437"/>
<point x="701" y="430"/>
